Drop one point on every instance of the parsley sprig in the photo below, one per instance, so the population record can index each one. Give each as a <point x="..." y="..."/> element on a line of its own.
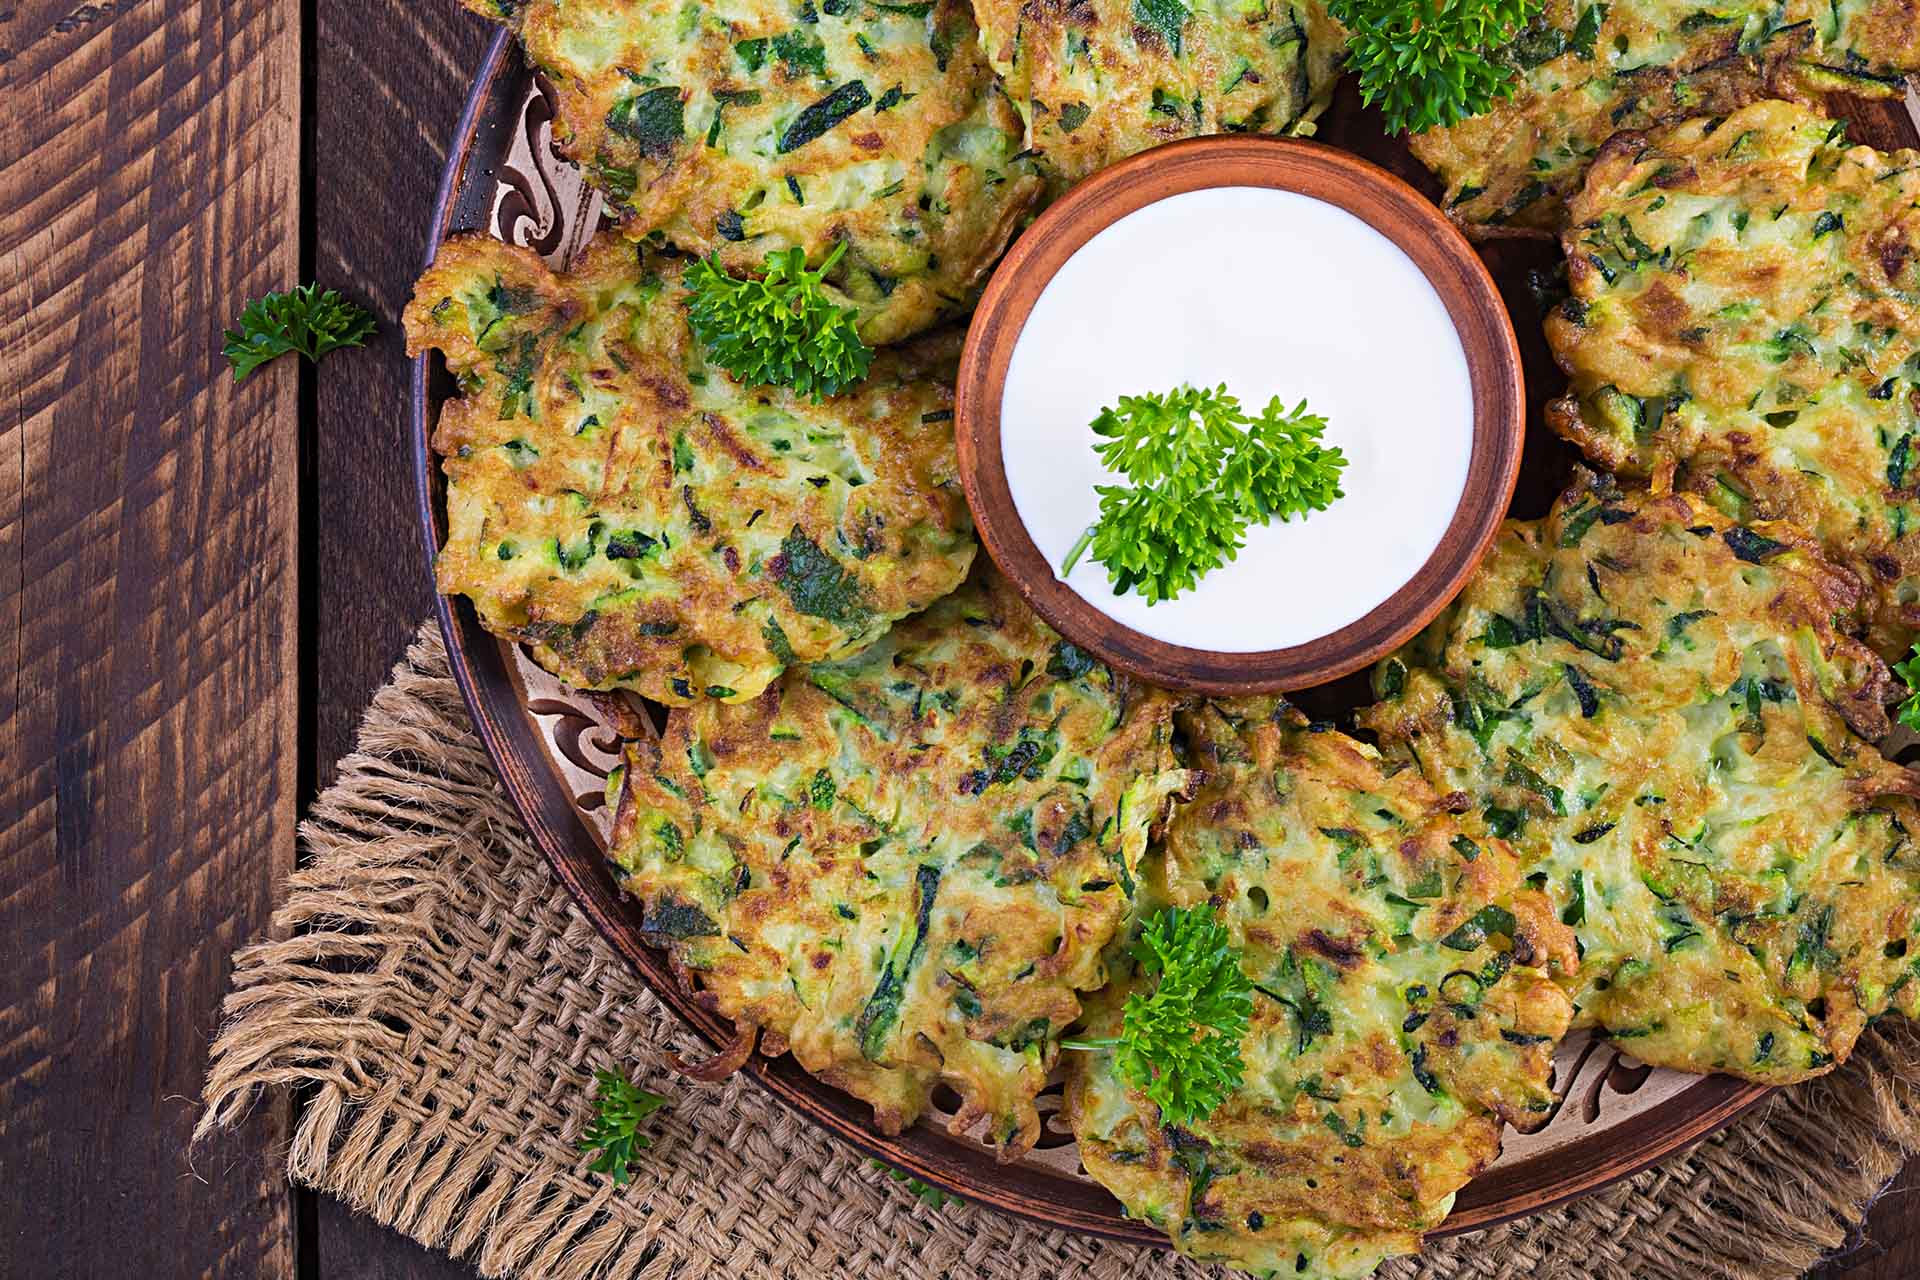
<point x="1201" y="471"/>
<point x="303" y="319"/>
<point x="1429" y="63"/>
<point x="1180" y="1042"/>
<point x="780" y="329"/>
<point x="931" y="1196"/>
<point x="620" y="1107"/>
<point x="1908" y="712"/>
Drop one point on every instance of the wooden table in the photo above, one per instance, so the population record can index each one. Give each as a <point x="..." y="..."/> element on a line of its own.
<point x="204" y="583"/>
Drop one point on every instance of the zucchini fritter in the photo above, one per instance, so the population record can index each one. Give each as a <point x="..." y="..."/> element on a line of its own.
<point x="1098" y="80"/>
<point x="1744" y="310"/>
<point x="1588" y="68"/>
<point x="904" y="866"/>
<point x="1403" y="1008"/>
<point x="743" y="127"/>
<point x="645" y="523"/>
<point x="1651" y="702"/>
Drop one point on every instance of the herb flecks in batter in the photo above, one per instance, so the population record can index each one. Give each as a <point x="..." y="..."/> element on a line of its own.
<point x="745" y="129"/>
<point x="906" y="867"/>
<point x="1404" y="1005"/>
<point x="1791" y="402"/>
<point x="646" y="523"/>
<point x="1200" y="472"/>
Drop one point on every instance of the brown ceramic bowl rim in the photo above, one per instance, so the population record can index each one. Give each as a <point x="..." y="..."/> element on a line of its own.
<point x="1389" y="206"/>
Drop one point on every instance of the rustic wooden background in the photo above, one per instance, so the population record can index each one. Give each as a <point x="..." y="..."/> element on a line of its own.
<point x="204" y="583"/>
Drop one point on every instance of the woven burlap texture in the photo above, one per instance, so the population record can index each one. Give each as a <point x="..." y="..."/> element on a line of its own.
<point x="443" y="1005"/>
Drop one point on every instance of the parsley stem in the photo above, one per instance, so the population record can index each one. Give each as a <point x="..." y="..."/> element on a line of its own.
<point x="1111" y="1042"/>
<point x="1073" y="556"/>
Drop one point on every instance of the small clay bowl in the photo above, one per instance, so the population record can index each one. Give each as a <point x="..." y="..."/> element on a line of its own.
<point x="1459" y="281"/>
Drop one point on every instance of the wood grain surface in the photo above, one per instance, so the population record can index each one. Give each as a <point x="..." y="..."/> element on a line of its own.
<point x="148" y="183"/>
<point x="388" y="82"/>
<point x="151" y="520"/>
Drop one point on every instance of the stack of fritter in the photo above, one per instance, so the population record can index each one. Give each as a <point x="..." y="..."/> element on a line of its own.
<point x="897" y="827"/>
<point x="1589" y="68"/>
<point x="644" y="522"/>
<point x="1652" y="703"/>
<point x="1404" y="1006"/>
<point x="739" y="128"/>
<point x="1098" y="80"/>
<point x="1745" y="314"/>
<point x="906" y="865"/>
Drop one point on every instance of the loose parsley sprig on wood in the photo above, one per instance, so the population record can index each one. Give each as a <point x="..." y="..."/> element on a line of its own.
<point x="779" y="330"/>
<point x="620" y="1107"/>
<point x="1908" y="712"/>
<point x="1429" y="63"/>
<point x="1201" y="472"/>
<point x="1180" y="1042"/>
<point x="303" y="319"/>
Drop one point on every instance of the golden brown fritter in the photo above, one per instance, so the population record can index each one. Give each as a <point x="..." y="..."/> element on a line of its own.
<point x="904" y="865"/>
<point x="1590" y="68"/>
<point x="1403" y="1008"/>
<point x="1651" y="703"/>
<point x="1098" y="80"/>
<point x="1743" y="314"/>
<point x="739" y="128"/>
<point x="641" y="521"/>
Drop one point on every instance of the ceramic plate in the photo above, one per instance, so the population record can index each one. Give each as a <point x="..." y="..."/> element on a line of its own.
<point x="553" y="746"/>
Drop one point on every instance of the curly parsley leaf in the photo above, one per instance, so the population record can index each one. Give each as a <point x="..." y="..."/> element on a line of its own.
<point x="1429" y="63"/>
<point x="780" y="329"/>
<point x="620" y="1107"/>
<point x="931" y="1196"/>
<point x="303" y="319"/>
<point x="1161" y="540"/>
<point x="1179" y="438"/>
<point x="1200" y="471"/>
<point x="1908" y="711"/>
<point x="1281" y="469"/>
<point x="1180" y="1042"/>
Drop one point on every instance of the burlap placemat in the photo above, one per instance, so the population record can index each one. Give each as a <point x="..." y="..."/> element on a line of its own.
<point x="446" y="1004"/>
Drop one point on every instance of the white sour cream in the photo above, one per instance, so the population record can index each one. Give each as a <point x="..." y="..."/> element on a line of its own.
<point x="1274" y="294"/>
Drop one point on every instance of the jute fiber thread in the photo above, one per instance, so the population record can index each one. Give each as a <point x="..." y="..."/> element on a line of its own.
<point x="435" y="989"/>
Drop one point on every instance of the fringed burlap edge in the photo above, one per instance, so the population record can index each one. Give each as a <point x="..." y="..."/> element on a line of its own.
<point x="442" y="1005"/>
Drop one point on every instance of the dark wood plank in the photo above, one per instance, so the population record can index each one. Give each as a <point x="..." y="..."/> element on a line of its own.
<point x="148" y="169"/>
<point x="1889" y="1242"/>
<point x="351" y="1247"/>
<point x="389" y="81"/>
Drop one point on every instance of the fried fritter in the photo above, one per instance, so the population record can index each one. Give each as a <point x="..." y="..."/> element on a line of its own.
<point x="1745" y="311"/>
<point x="904" y="866"/>
<point x="1587" y="69"/>
<point x="1651" y="702"/>
<point x="1403" y="1007"/>
<point x="645" y="523"/>
<point x="743" y="127"/>
<point x="1098" y="80"/>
